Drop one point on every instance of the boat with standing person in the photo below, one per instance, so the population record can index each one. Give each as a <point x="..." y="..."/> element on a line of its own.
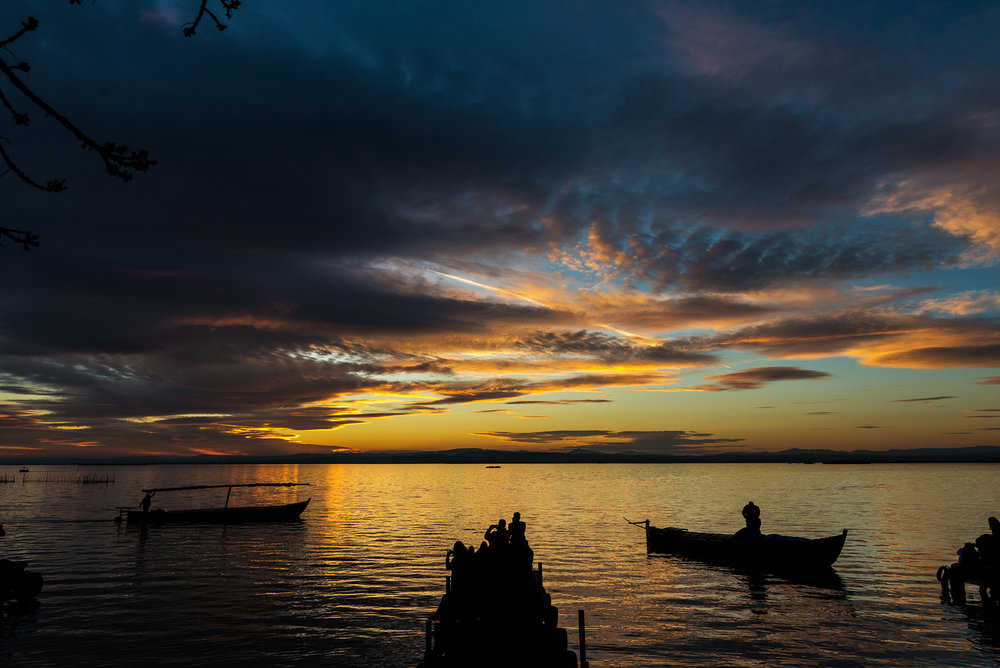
<point x="145" y="514"/>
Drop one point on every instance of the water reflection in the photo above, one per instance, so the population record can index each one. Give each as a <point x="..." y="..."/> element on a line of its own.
<point x="353" y="583"/>
<point x="984" y="628"/>
<point x="18" y="617"/>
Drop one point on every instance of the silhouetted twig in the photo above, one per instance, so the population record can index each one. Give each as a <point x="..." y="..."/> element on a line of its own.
<point x="228" y="5"/>
<point x="25" y="238"/>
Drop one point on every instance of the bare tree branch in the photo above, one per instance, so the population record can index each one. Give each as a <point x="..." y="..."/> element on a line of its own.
<point x="118" y="160"/>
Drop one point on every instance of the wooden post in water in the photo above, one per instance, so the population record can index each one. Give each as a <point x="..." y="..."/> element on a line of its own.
<point x="227" y="497"/>
<point x="582" y="628"/>
<point x="540" y="573"/>
<point x="428" y="645"/>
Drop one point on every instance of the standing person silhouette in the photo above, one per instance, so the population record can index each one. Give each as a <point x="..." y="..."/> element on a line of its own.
<point x="147" y="501"/>
<point x="516" y="527"/>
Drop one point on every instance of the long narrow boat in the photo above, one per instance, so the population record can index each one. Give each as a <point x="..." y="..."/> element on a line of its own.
<point x="286" y="512"/>
<point x="769" y="551"/>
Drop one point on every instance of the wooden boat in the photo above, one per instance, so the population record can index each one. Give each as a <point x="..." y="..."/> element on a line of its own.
<point x="287" y="512"/>
<point x="17" y="582"/>
<point x="768" y="551"/>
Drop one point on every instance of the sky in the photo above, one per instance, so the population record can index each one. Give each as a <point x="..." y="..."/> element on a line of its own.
<point x="658" y="227"/>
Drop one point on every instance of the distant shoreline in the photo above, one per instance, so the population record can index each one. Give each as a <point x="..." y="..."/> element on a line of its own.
<point x="980" y="454"/>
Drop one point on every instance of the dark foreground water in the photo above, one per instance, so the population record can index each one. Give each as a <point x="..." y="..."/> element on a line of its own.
<point x="353" y="582"/>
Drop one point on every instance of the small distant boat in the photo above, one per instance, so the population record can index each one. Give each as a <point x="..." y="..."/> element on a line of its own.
<point x="769" y="551"/>
<point x="24" y="469"/>
<point x="287" y="512"/>
<point x="493" y="466"/>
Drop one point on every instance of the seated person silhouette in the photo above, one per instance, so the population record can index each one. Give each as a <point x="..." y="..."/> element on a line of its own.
<point x="459" y="561"/>
<point x="751" y="513"/>
<point x="968" y="560"/>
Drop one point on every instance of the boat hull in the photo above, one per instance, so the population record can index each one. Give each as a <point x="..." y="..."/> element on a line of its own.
<point x="17" y="582"/>
<point x="771" y="552"/>
<point x="281" y="513"/>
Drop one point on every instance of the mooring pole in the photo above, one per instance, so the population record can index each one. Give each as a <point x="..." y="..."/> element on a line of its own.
<point x="227" y="496"/>
<point x="582" y="622"/>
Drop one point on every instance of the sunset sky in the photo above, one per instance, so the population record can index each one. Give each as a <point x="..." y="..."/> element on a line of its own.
<point x="663" y="227"/>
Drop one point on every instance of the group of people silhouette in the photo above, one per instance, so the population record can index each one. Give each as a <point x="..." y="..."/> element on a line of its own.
<point x="498" y="574"/>
<point x="981" y="559"/>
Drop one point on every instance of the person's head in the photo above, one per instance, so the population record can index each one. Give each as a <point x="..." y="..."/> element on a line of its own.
<point x="459" y="547"/>
<point x="994" y="526"/>
<point x="502" y="524"/>
<point x="484" y="545"/>
<point x="517" y="516"/>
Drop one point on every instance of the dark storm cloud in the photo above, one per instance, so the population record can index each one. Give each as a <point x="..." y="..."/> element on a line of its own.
<point x="459" y="392"/>
<point x="614" y="350"/>
<point x="841" y="331"/>
<point x="706" y="258"/>
<point x="695" y="309"/>
<point x="647" y="442"/>
<point x="560" y="402"/>
<point x="983" y="414"/>
<point x="923" y="399"/>
<point x="107" y="309"/>
<point x="424" y="148"/>
<point x="313" y="148"/>
<point x="753" y="379"/>
<point x="950" y="356"/>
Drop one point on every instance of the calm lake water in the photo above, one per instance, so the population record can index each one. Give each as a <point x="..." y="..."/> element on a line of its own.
<point x="352" y="584"/>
